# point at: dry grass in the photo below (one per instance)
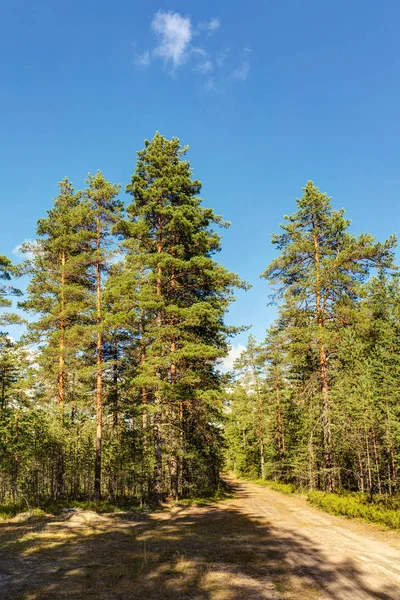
(210, 553)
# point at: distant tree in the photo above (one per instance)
(251, 369)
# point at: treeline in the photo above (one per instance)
(317, 403)
(115, 391)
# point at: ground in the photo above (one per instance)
(258, 545)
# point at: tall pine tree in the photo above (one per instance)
(183, 297)
(318, 274)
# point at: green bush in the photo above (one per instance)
(285, 488)
(383, 510)
(359, 506)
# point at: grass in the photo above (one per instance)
(359, 506)
(209, 552)
(224, 492)
(8, 511)
(212, 552)
(284, 488)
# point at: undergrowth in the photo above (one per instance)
(223, 493)
(285, 488)
(382, 510)
(8, 511)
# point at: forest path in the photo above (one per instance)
(259, 544)
(348, 560)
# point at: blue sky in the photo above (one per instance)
(268, 94)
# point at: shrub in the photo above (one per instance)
(359, 506)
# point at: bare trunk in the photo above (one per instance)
(394, 470)
(158, 444)
(181, 438)
(61, 358)
(115, 380)
(311, 463)
(280, 439)
(174, 456)
(377, 466)
(260, 428)
(325, 411)
(157, 422)
(361, 475)
(61, 381)
(369, 471)
(326, 422)
(99, 379)
(143, 390)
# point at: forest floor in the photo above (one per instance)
(260, 544)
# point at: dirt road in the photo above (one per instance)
(258, 545)
(346, 559)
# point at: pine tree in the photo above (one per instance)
(183, 296)
(274, 353)
(7, 272)
(318, 274)
(57, 290)
(57, 296)
(251, 369)
(241, 431)
(104, 211)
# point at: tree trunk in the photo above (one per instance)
(181, 438)
(325, 411)
(61, 358)
(157, 422)
(260, 421)
(143, 390)
(61, 382)
(174, 457)
(326, 422)
(158, 448)
(377, 466)
(361, 476)
(369, 471)
(280, 439)
(115, 380)
(99, 380)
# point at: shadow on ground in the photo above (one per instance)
(207, 553)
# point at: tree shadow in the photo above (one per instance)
(199, 553)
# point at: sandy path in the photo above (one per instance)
(260, 545)
(349, 560)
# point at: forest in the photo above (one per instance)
(115, 389)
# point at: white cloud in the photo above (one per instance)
(210, 86)
(142, 60)
(221, 57)
(205, 67)
(242, 71)
(200, 51)
(233, 354)
(179, 41)
(210, 26)
(25, 249)
(174, 34)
